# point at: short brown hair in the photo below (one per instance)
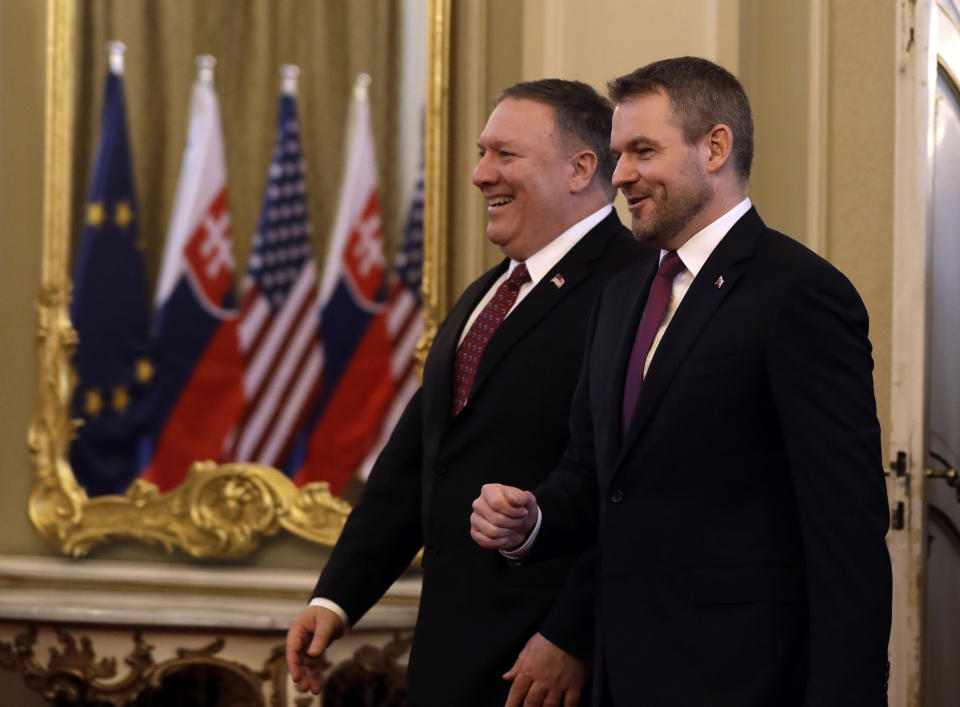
(579, 112)
(702, 94)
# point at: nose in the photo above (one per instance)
(623, 173)
(484, 173)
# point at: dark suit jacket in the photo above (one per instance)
(476, 611)
(740, 520)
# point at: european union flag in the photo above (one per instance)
(110, 314)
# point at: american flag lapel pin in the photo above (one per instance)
(719, 282)
(557, 280)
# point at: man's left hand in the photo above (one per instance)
(546, 675)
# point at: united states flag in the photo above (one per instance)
(280, 313)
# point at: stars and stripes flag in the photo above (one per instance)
(110, 312)
(357, 384)
(280, 313)
(199, 393)
(404, 320)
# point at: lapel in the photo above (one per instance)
(729, 259)
(572, 269)
(438, 371)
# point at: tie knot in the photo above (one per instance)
(670, 266)
(519, 276)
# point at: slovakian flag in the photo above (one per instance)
(404, 320)
(280, 313)
(110, 311)
(198, 395)
(357, 385)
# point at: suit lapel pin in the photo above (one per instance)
(719, 282)
(558, 280)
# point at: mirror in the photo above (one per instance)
(217, 510)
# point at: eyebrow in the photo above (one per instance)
(498, 145)
(641, 140)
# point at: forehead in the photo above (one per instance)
(518, 121)
(648, 116)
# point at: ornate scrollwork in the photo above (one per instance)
(74, 676)
(219, 511)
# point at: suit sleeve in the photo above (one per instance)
(568, 498)
(820, 367)
(383, 532)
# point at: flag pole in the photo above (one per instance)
(290, 74)
(206, 63)
(115, 52)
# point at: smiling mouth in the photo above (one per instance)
(635, 201)
(499, 201)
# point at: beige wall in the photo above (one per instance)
(768, 42)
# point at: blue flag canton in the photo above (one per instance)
(409, 258)
(281, 246)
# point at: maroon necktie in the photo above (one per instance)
(653, 312)
(468, 356)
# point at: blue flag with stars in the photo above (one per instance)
(109, 310)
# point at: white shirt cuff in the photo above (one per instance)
(522, 551)
(334, 607)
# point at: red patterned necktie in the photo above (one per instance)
(653, 312)
(468, 356)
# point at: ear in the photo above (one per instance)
(719, 147)
(584, 164)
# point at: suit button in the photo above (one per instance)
(442, 471)
(616, 495)
(433, 548)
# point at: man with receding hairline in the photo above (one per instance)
(724, 447)
(493, 406)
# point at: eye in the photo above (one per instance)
(644, 152)
(506, 153)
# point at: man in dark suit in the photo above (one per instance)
(724, 449)
(493, 406)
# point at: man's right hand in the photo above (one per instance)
(311, 632)
(503, 517)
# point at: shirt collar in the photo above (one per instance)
(694, 252)
(541, 262)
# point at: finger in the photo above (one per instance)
(501, 499)
(493, 543)
(553, 698)
(494, 529)
(295, 640)
(572, 697)
(515, 670)
(535, 695)
(518, 691)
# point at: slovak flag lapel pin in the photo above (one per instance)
(558, 280)
(719, 283)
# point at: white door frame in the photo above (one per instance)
(916, 82)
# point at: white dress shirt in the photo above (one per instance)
(538, 265)
(693, 254)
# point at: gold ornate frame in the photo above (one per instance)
(218, 511)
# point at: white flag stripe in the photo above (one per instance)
(399, 310)
(405, 391)
(203, 175)
(290, 410)
(252, 322)
(270, 399)
(404, 348)
(262, 358)
(360, 180)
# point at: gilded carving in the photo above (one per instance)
(74, 676)
(219, 511)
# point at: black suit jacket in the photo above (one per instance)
(740, 520)
(476, 610)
